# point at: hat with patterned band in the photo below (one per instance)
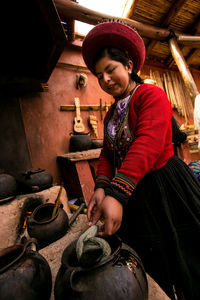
(117, 35)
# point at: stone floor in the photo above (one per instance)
(10, 213)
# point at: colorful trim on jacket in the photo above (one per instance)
(120, 188)
(124, 183)
(102, 181)
(120, 144)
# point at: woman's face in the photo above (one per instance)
(114, 77)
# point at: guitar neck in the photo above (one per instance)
(78, 112)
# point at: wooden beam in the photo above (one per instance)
(131, 11)
(85, 107)
(71, 31)
(71, 66)
(67, 8)
(183, 68)
(172, 12)
(187, 40)
(193, 55)
(190, 38)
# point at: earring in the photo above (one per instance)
(129, 72)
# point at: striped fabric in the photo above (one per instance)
(102, 179)
(195, 167)
(123, 183)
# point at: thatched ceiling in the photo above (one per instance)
(179, 16)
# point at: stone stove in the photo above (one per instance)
(12, 216)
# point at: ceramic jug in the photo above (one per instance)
(119, 276)
(24, 273)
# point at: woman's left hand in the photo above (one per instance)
(111, 210)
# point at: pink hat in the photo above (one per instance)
(117, 35)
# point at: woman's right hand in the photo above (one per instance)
(95, 203)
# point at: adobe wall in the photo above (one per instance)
(46, 128)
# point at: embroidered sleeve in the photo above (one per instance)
(102, 181)
(121, 188)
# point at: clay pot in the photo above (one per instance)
(46, 229)
(24, 274)
(8, 187)
(80, 142)
(43, 227)
(34, 181)
(120, 276)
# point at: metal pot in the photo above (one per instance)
(34, 181)
(8, 187)
(80, 142)
(46, 229)
(43, 227)
(24, 274)
(120, 276)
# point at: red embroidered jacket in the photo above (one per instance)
(147, 130)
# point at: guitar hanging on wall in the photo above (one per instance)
(78, 122)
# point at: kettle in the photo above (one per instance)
(120, 276)
(24, 273)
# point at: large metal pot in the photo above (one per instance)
(24, 274)
(120, 276)
(8, 187)
(80, 142)
(34, 181)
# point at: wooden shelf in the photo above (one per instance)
(77, 172)
(82, 155)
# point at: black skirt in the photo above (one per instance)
(162, 223)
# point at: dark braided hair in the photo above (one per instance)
(178, 136)
(118, 55)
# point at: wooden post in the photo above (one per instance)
(183, 68)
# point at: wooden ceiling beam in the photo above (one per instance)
(67, 8)
(172, 12)
(183, 68)
(70, 29)
(192, 55)
(194, 52)
(188, 41)
(131, 11)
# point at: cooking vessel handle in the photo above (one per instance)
(68, 278)
(31, 172)
(31, 241)
(76, 213)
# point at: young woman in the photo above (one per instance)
(143, 192)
